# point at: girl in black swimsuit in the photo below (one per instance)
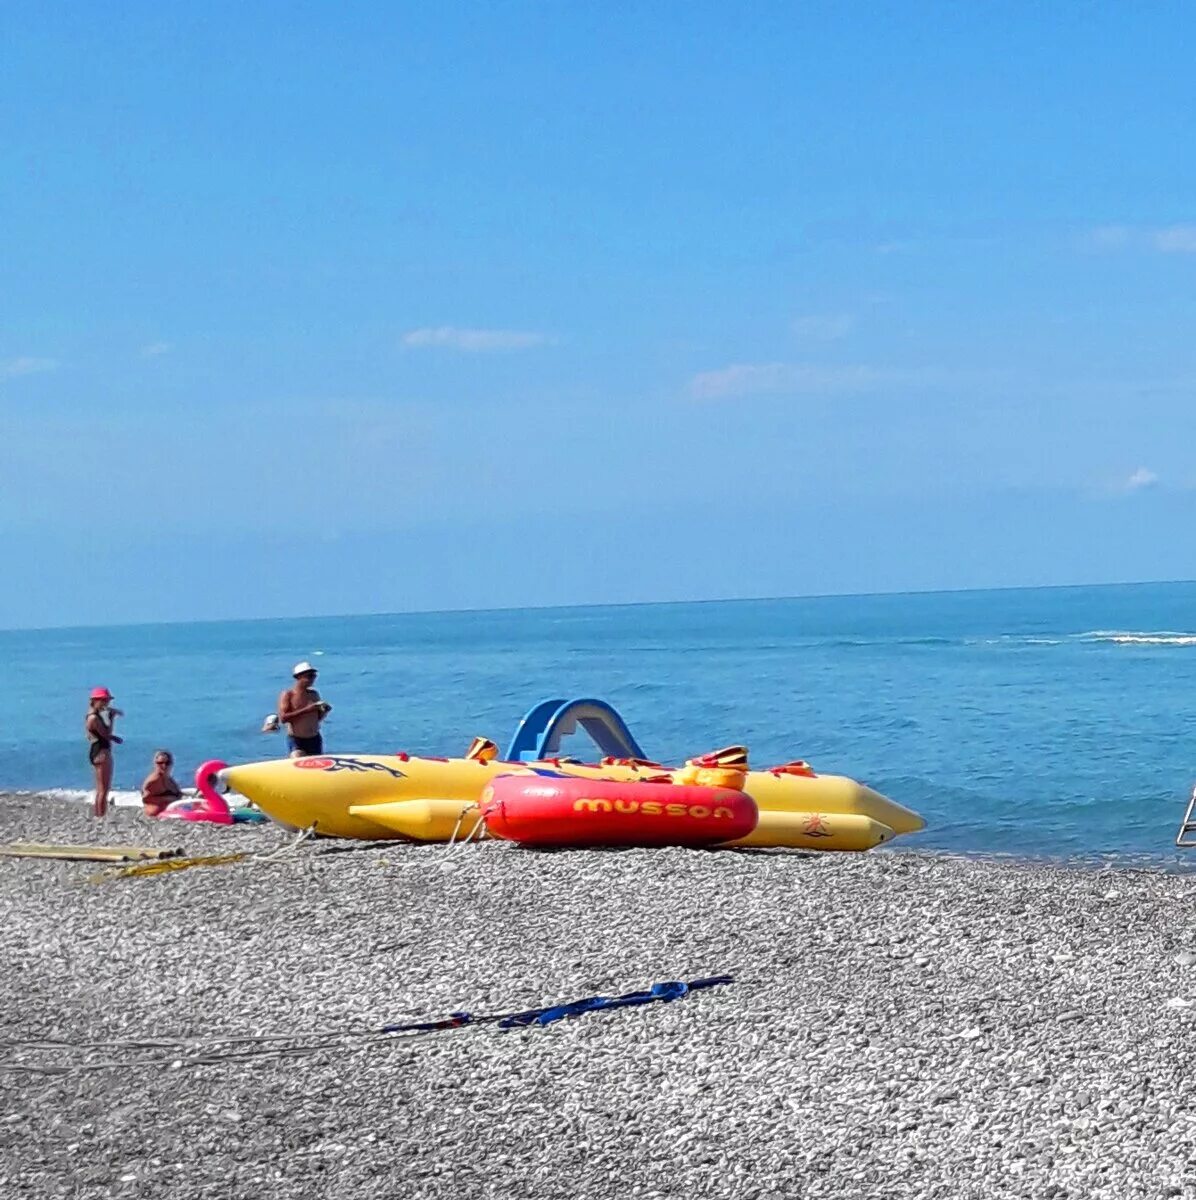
(98, 724)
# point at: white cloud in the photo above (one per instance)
(756, 379)
(827, 328)
(473, 341)
(1166, 239)
(1110, 237)
(1177, 239)
(12, 367)
(154, 349)
(1143, 477)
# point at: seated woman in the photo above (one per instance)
(159, 788)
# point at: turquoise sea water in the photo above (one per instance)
(1043, 721)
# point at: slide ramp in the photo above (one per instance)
(542, 730)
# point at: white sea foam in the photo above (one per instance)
(1119, 637)
(124, 799)
(1131, 637)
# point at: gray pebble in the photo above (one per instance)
(902, 1025)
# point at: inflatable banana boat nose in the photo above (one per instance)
(334, 792)
(780, 791)
(815, 831)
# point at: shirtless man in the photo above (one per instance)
(301, 710)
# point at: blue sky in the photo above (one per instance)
(319, 308)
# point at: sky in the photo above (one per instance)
(318, 308)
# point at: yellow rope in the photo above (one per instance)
(170, 864)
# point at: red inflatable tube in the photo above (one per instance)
(561, 811)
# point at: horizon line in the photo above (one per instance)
(433, 612)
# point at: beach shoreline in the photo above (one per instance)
(902, 1023)
(1167, 860)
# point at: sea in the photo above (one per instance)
(1047, 722)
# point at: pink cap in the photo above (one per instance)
(101, 694)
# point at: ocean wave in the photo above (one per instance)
(1018, 640)
(1132, 637)
(1116, 637)
(836, 643)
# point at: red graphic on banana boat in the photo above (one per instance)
(312, 764)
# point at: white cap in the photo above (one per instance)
(302, 668)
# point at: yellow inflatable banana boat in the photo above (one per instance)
(372, 796)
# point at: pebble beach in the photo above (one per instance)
(900, 1024)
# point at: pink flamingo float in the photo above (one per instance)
(211, 805)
